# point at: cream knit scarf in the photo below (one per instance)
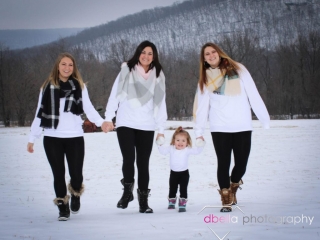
(219, 84)
(138, 91)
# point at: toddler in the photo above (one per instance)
(179, 150)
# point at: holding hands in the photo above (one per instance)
(200, 142)
(160, 139)
(107, 127)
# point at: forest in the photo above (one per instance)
(278, 41)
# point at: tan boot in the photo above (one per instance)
(226, 199)
(234, 187)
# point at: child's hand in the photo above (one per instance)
(200, 142)
(160, 141)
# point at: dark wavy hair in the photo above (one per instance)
(155, 62)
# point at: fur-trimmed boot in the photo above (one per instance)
(234, 187)
(143, 201)
(226, 199)
(63, 206)
(172, 203)
(127, 195)
(75, 198)
(182, 204)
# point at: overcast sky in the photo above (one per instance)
(42, 14)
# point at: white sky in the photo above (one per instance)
(43, 14)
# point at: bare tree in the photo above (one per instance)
(5, 86)
(121, 51)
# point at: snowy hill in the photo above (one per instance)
(191, 23)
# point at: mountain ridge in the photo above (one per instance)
(191, 23)
(26, 38)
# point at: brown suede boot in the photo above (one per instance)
(234, 187)
(226, 199)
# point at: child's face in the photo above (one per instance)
(180, 141)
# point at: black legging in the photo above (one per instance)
(73, 149)
(132, 142)
(181, 179)
(224, 144)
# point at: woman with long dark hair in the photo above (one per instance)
(138, 97)
(225, 95)
(63, 98)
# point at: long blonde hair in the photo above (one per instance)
(227, 65)
(54, 74)
(181, 131)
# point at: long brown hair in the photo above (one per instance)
(53, 77)
(181, 131)
(227, 65)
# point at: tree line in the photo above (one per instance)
(286, 76)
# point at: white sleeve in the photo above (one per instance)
(164, 150)
(256, 102)
(195, 150)
(162, 116)
(202, 111)
(113, 102)
(36, 130)
(89, 110)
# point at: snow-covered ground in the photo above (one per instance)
(279, 198)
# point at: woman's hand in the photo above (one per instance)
(107, 126)
(30, 147)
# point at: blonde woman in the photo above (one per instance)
(226, 94)
(63, 98)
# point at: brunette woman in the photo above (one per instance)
(226, 94)
(138, 97)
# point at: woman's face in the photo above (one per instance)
(146, 57)
(180, 141)
(65, 68)
(211, 56)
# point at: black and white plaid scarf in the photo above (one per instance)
(50, 103)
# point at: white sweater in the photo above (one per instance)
(141, 118)
(231, 113)
(70, 125)
(179, 158)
